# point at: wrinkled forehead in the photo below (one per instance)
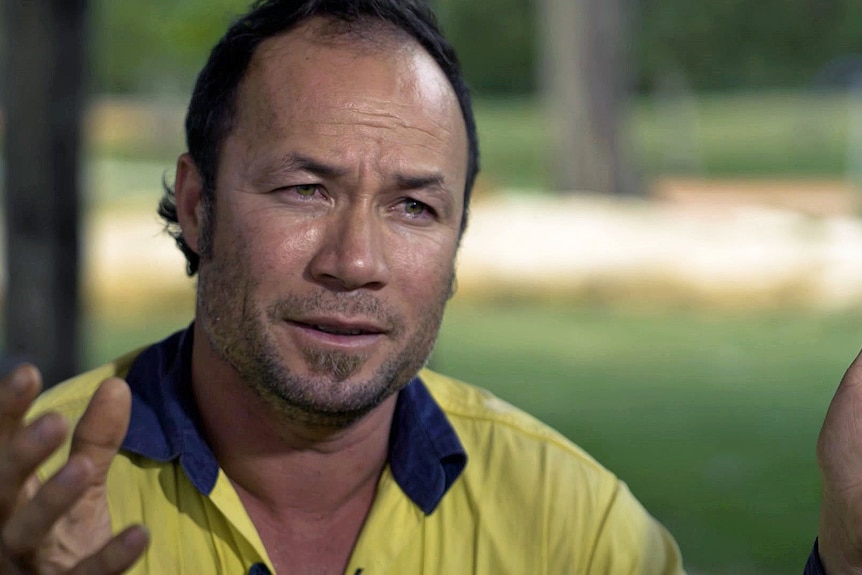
(326, 68)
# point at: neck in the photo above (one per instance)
(287, 466)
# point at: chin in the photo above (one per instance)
(325, 402)
(334, 393)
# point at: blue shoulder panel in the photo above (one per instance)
(425, 454)
(165, 424)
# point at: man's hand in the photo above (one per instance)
(62, 526)
(839, 453)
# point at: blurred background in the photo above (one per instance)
(664, 259)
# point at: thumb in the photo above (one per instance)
(102, 428)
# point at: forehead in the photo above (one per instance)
(342, 82)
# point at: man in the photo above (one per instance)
(291, 428)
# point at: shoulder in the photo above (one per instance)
(477, 414)
(552, 494)
(518, 454)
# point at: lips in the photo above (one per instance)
(340, 327)
(339, 331)
(326, 333)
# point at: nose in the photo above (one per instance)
(352, 253)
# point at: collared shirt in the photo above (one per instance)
(529, 501)
(814, 566)
(425, 454)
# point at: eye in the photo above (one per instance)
(305, 190)
(415, 208)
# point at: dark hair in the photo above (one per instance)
(212, 108)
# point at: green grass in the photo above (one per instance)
(737, 134)
(744, 134)
(710, 418)
(108, 335)
(513, 143)
(132, 184)
(718, 135)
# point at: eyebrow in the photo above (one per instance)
(419, 182)
(294, 161)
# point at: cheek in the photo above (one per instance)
(424, 268)
(273, 250)
(281, 257)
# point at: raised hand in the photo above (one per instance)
(62, 526)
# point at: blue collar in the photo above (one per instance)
(425, 454)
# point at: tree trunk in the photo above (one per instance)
(584, 80)
(44, 89)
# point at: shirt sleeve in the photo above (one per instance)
(633, 542)
(814, 566)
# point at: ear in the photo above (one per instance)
(188, 188)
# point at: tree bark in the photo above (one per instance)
(584, 81)
(44, 96)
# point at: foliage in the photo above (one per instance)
(155, 46)
(496, 42)
(159, 45)
(732, 43)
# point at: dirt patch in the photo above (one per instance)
(820, 198)
(700, 243)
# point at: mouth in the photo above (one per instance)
(339, 332)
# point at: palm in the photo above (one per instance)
(77, 535)
(61, 526)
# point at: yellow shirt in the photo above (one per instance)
(473, 485)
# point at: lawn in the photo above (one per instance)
(763, 135)
(710, 418)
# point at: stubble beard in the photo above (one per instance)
(240, 333)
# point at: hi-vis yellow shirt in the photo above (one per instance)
(472, 486)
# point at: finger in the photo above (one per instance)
(117, 555)
(28, 448)
(27, 528)
(17, 392)
(853, 375)
(847, 395)
(102, 428)
(839, 445)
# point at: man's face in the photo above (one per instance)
(338, 206)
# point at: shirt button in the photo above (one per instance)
(258, 569)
